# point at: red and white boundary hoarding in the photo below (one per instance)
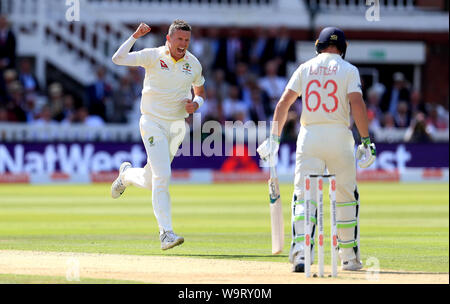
(206, 176)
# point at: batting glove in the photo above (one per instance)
(268, 150)
(366, 153)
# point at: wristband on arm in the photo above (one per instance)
(366, 141)
(199, 100)
(275, 138)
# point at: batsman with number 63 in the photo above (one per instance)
(330, 88)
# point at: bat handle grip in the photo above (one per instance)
(273, 172)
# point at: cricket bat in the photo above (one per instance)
(276, 213)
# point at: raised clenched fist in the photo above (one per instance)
(141, 31)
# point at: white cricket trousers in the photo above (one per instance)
(320, 148)
(162, 139)
(327, 146)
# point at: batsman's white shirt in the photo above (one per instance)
(324, 83)
(167, 82)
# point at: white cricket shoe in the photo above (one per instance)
(117, 187)
(169, 240)
(351, 265)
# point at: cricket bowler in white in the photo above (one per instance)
(171, 71)
(331, 89)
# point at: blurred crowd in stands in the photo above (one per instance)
(245, 78)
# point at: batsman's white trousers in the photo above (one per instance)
(331, 147)
(328, 146)
(162, 139)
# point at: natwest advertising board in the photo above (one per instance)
(98, 162)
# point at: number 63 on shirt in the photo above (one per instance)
(329, 105)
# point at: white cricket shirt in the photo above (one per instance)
(167, 82)
(324, 83)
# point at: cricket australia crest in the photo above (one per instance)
(187, 69)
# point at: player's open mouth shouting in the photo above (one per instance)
(181, 51)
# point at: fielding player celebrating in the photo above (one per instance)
(330, 87)
(170, 73)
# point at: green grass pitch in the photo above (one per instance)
(404, 226)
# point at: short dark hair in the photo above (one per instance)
(179, 25)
